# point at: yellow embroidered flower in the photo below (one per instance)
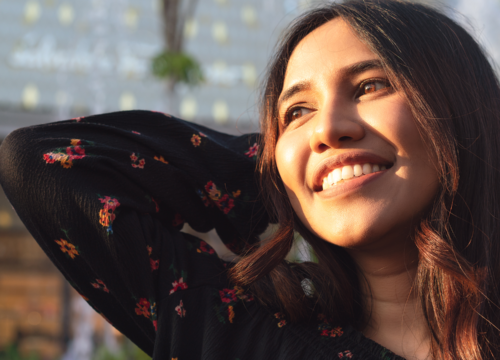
(160, 158)
(66, 247)
(231, 313)
(104, 217)
(75, 142)
(196, 140)
(66, 162)
(236, 193)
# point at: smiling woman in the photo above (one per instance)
(379, 144)
(380, 125)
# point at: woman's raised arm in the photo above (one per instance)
(105, 196)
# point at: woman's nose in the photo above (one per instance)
(334, 129)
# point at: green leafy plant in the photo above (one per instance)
(12, 353)
(178, 67)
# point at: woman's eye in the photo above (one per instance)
(372, 86)
(296, 113)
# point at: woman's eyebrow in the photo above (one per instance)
(360, 67)
(288, 93)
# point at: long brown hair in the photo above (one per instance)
(454, 96)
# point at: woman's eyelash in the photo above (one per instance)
(370, 86)
(289, 113)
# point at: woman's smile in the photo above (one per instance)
(351, 158)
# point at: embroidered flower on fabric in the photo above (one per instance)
(136, 162)
(68, 248)
(196, 140)
(148, 310)
(178, 220)
(66, 156)
(142, 307)
(180, 310)
(229, 300)
(178, 285)
(160, 158)
(155, 264)
(281, 317)
(227, 295)
(99, 284)
(346, 354)
(136, 132)
(225, 204)
(230, 313)
(252, 150)
(240, 294)
(162, 113)
(205, 248)
(223, 201)
(107, 214)
(328, 330)
(212, 191)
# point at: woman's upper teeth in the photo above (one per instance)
(348, 172)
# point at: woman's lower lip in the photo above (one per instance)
(350, 185)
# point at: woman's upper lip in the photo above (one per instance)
(346, 158)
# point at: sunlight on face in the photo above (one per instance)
(352, 160)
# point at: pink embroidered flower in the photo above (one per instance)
(155, 324)
(225, 204)
(227, 295)
(99, 284)
(205, 248)
(136, 132)
(143, 307)
(141, 163)
(252, 151)
(155, 264)
(178, 285)
(346, 354)
(109, 203)
(133, 157)
(202, 134)
(178, 220)
(212, 191)
(180, 310)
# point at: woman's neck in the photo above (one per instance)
(396, 318)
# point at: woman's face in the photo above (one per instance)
(340, 120)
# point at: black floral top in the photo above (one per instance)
(106, 196)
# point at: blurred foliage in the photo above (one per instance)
(12, 353)
(177, 67)
(127, 351)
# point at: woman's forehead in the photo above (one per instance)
(326, 51)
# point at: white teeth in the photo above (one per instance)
(337, 176)
(348, 172)
(358, 170)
